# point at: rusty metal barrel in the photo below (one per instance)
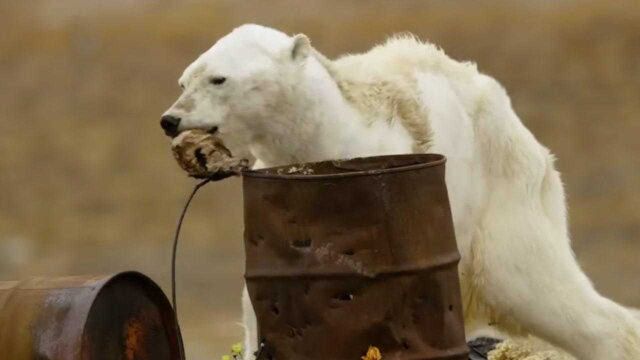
(341, 255)
(124, 316)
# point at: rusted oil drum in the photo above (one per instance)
(124, 316)
(342, 255)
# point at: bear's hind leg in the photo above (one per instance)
(528, 274)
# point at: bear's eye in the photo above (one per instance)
(217, 80)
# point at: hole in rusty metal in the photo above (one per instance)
(344, 297)
(275, 310)
(349, 252)
(450, 307)
(255, 241)
(405, 344)
(301, 243)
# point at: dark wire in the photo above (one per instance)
(175, 244)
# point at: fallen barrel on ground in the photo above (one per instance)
(124, 316)
(342, 255)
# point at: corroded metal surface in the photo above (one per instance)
(342, 255)
(124, 316)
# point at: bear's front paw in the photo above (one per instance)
(203, 155)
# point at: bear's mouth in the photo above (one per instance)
(212, 130)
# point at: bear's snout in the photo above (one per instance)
(169, 124)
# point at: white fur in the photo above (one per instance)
(283, 102)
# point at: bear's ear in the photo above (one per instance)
(301, 47)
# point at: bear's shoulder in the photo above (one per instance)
(401, 56)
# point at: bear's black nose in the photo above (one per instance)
(169, 124)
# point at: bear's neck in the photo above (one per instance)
(317, 124)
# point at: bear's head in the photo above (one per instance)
(238, 84)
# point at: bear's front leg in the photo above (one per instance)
(250, 324)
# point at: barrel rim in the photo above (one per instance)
(427, 160)
(146, 281)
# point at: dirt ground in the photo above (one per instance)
(89, 185)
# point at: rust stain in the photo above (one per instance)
(134, 338)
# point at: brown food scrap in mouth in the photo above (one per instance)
(203, 155)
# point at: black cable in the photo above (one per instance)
(175, 244)
(212, 177)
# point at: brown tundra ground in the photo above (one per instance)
(89, 185)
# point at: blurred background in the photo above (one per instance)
(88, 184)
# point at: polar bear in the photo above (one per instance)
(274, 98)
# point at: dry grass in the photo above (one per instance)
(89, 184)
